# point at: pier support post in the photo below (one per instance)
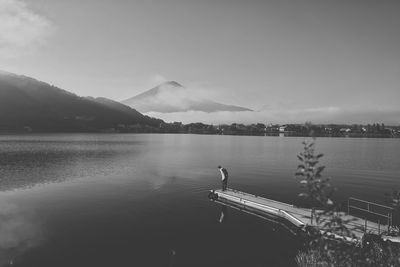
(379, 227)
(365, 226)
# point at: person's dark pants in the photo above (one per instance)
(224, 184)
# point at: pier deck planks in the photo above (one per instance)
(302, 216)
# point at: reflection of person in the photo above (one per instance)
(224, 212)
(173, 255)
(224, 176)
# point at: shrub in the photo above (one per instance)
(326, 249)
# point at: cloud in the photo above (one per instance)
(172, 98)
(287, 115)
(22, 30)
(157, 79)
(180, 97)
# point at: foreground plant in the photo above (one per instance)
(318, 189)
(334, 245)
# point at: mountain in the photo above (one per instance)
(173, 97)
(26, 103)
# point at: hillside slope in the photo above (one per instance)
(32, 104)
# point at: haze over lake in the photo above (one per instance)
(141, 199)
(115, 115)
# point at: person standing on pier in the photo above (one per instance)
(224, 176)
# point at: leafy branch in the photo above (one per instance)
(317, 189)
(332, 248)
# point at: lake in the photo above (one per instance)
(141, 199)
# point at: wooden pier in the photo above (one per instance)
(297, 217)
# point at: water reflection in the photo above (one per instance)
(141, 200)
(173, 256)
(19, 232)
(224, 213)
(25, 164)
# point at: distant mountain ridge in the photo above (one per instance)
(171, 97)
(28, 103)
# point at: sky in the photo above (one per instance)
(290, 61)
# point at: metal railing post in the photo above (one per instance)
(387, 213)
(379, 227)
(365, 226)
(391, 218)
(388, 222)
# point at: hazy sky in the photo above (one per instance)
(298, 57)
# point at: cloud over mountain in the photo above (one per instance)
(171, 97)
(322, 115)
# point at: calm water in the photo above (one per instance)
(141, 200)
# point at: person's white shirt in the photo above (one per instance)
(222, 174)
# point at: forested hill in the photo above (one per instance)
(27, 104)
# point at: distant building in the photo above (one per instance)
(283, 128)
(345, 130)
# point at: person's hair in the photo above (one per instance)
(219, 167)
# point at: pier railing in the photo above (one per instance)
(367, 208)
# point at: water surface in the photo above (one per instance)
(141, 199)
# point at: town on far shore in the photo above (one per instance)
(375, 130)
(261, 129)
